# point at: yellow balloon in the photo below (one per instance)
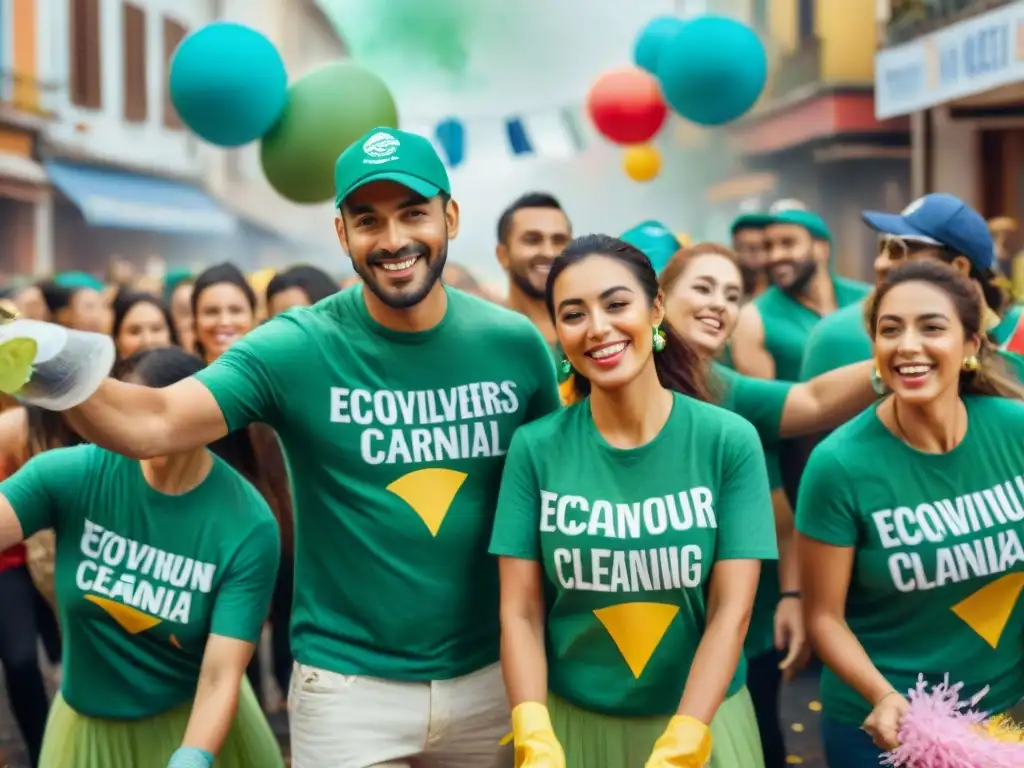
(684, 239)
(642, 162)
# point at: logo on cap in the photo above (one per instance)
(380, 148)
(914, 207)
(786, 204)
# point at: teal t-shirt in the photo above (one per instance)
(939, 564)
(839, 339)
(143, 578)
(628, 540)
(1008, 338)
(759, 401)
(396, 442)
(788, 323)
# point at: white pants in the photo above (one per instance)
(351, 721)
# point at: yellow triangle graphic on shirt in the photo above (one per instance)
(430, 493)
(988, 610)
(131, 620)
(637, 629)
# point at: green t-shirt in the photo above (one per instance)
(939, 561)
(396, 442)
(628, 540)
(839, 339)
(144, 578)
(759, 401)
(788, 323)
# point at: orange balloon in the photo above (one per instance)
(642, 162)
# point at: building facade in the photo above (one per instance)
(307, 40)
(956, 69)
(814, 135)
(25, 196)
(95, 164)
(125, 174)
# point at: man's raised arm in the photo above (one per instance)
(144, 422)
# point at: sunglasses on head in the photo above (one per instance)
(898, 248)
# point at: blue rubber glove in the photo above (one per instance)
(191, 757)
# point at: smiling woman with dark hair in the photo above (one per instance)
(910, 519)
(298, 286)
(622, 631)
(141, 321)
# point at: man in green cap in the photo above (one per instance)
(395, 401)
(748, 240)
(772, 330)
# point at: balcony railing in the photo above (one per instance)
(798, 69)
(910, 19)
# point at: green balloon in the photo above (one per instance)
(327, 110)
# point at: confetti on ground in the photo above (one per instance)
(794, 760)
(814, 706)
(797, 727)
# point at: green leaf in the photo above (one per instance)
(16, 358)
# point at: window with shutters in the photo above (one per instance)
(174, 33)
(135, 108)
(85, 77)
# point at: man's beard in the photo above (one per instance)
(521, 279)
(803, 272)
(405, 299)
(751, 277)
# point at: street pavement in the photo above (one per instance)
(800, 713)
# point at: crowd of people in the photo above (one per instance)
(595, 524)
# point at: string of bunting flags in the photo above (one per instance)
(553, 133)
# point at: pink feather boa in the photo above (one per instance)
(941, 731)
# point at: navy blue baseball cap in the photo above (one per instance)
(942, 220)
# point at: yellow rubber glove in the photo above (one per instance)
(535, 741)
(686, 743)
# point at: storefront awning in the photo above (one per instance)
(970, 57)
(124, 200)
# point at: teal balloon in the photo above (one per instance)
(327, 110)
(228, 83)
(712, 70)
(652, 39)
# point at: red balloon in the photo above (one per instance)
(626, 106)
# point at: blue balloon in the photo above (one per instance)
(652, 39)
(712, 70)
(228, 83)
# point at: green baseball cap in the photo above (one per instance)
(750, 221)
(809, 220)
(388, 154)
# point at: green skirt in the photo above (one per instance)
(592, 740)
(76, 741)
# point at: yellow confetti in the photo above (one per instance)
(814, 706)
(794, 760)
(797, 727)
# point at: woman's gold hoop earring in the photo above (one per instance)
(971, 364)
